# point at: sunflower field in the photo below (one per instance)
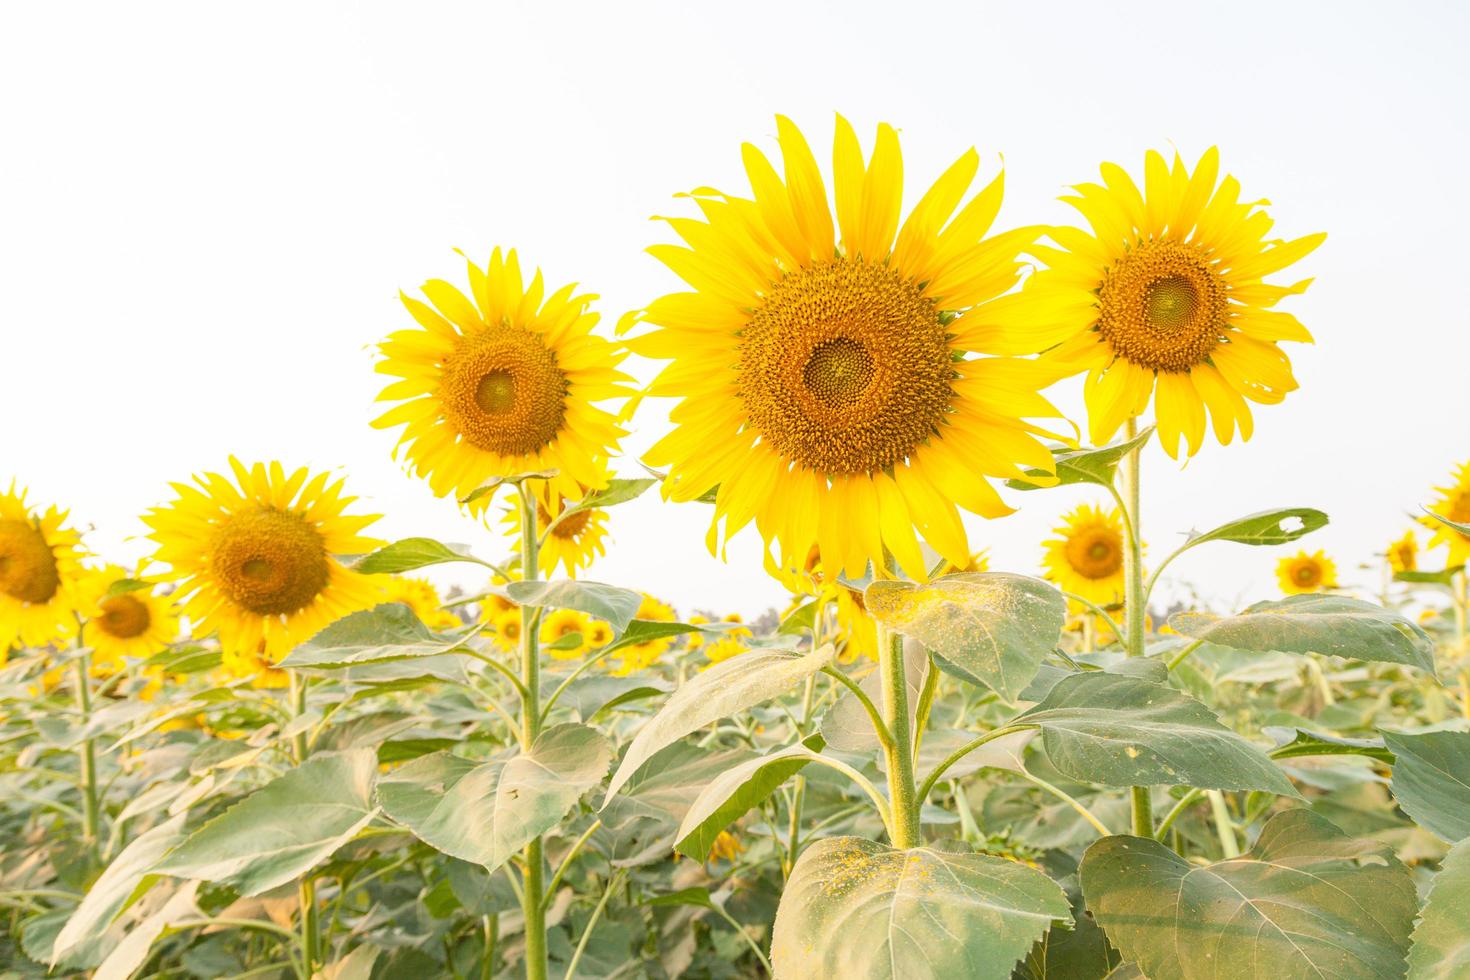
(274, 749)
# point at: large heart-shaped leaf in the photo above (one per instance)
(1441, 949)
(285, 828)
(1117, 730)
(382, 634)
(486, 812)
(1306, 902)
(412, 553)
(735, 791)
(1327, 624)
(1096, 466)
(1431, 780)
(989, 628)
(727, 688)
(607, 602)
(857, 908)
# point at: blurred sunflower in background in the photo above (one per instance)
(135, 622)
(729, 643)
(824, 382)
(558, 624)
(639, 656)
(1454, 504)
(574, 543)
(1086, 557)
(40, 571)
(1403, 554)
(502, 384)
(419, 595)
(1165, 298)
(254, 559)
(507, 627)
(599, 634)
(1302, 573)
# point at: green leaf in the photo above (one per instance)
(696, 896)
(373, 636)
(800, 620)
(989, 628)
(1452, 525)
(606, 602)
(125, 585)
(594, 692)
(1445, 576)
(1306, 902)
(1096, 466)
(285, 828)
(486, 812)
(1267, 527)
(616, 492)
(1292, 743)
(1328, 624)
(122, 883)
(642, 820)
(735, 791)
(727, 688)
(1117, 730)
(127, 956)
(857, 908)
(1441, 949)
(1431, 780)
(411, 553)
(514, 479)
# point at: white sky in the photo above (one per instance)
(206, 212)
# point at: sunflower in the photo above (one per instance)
(40, 571)
(693, 641)
(1403, 554)
(561, 623)
(730, 642)
(254, 559)
(507, 627)
(823, 380)
(640, 656)
(598, 635)
(420, 595)
(137, 623)
(502, 385)
(1302, 573)
(1453, 503)
(1167, 291)
(574, 543)
(1087, 558)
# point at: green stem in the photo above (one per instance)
(1224, 826)
(900, 755)
(490, 925)
(1178, 658)
(1100, 612)
(926, 705)
(566, 861)
(880, 727)
(306, 890)
(87, 757)
(1071, 801)
(759, 954)
(1135, 599)
(612, 884)
(1185, 802)
(533, 903)
(963, 751)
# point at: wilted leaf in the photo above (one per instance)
(1431, 780)
(857, 908)
(1441, 949)
(989, 628)
(1306, 903)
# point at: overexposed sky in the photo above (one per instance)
(207, 210)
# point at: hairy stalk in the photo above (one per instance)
(1135, 599)
(533, 896)
(900, 767)
(306, 890)
(87, 757)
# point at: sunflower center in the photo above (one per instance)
(1095, 552)
(1306, 574)
(269, 562)
(569, 529)
(845, 368)
(27, 565)
(1460, 509)
(503, 392)
(1163, 306)
(124, 617)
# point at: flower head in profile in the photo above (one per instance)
(1453, 503)
(503, 382)
(40, 571)
(1086, 557)
(1303, 573)
(1165, 299)
(831, 359)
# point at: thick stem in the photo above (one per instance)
(1135, 601)
(900, 763)
(306, 890)
(87, 757)
(532, 896)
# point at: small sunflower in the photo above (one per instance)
(507, 627)
(1302, 573)
(254, 558)
(825, 385)
(730, 642)
(40, 571)
(1403, 554)
(420, 595)
(640, 656)
(561, 623)
(1453, 503)
(136, 624)
(726, 847)
(693, 641)
(574, 543)
(598, 635)
(503, 385)
(1087, 558)
(1166, 295)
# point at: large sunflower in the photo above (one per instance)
(1302, 573)
(502, 385)
(254, 558)
(40, 570)
(1453, 503)
(1167, 293)
(824, 384)
(137, 623)
(574, 543)
(1087, 557)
